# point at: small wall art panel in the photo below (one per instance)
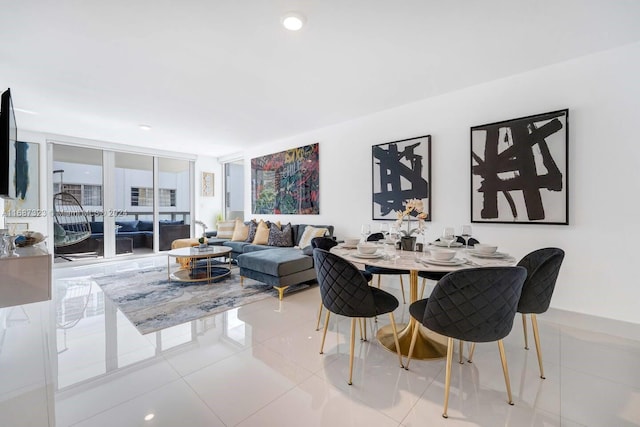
(401, 171)
(24, 179)
(520, 170)
(286, 182)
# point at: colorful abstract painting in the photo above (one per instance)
(286, 182)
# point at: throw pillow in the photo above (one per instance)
(241, 232)
(253, 226)
(225, 229)
(128, 226)
(262, 234)
(309, 233)
(280, 237)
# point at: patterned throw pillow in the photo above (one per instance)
(262, 233)
(240, 232)
(309, 233)
(280, 237)
(253, 226)
(225, 229)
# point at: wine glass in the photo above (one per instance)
(466, 234)
(365, 230)
(448, 236)
(394, 238)
(384, 229)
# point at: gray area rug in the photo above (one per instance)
(152, 303)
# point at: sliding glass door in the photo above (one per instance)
(133, 203)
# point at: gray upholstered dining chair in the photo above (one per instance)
(543, 267)
(382, 271)
(345, 291)
(327, 243)
(475, 305)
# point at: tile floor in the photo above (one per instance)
(76, 361)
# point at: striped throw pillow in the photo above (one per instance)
(225, 229)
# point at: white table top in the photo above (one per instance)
(406, 260)
(194, 252)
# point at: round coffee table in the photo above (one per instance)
(209, 272)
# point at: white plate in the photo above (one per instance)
(368, 256)
(493, 255)
(450, 263)
(345, 246)
(444, 245)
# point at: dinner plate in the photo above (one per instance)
(368, 256)
(493, 255)
(444, 245)
(450, 263)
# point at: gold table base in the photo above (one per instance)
(429, 345)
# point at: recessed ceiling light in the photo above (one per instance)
(149, 417)
(293, 21)
(145, 127)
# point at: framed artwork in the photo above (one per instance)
(401, 170)
(207, 184)
(520, 170)
(287, 182)
(24, 179)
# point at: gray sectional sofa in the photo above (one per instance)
(279, 267)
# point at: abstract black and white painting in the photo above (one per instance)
(401, 171)
(519, 170)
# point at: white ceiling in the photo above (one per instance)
(215, 77)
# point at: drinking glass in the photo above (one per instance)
(384, 229)
(365, 230)
(466, 234)
(448, 236)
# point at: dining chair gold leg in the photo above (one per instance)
(447, 377)
(536, 338)
(242, 281)
(319, 316)
(505, 369)
(352, 348)
(379, 276)
(363, 334)
(424, 285)
(471, 350)
(402, 289)
(414, 337)
(524, 329)
(324, 333)
(460, 350)
(395, 337)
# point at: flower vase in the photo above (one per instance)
(408, 243)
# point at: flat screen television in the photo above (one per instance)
(8, 137)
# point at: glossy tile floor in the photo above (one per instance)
(76, 361)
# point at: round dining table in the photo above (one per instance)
(429, 345)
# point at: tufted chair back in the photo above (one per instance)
(476, 305)
(343, 289)
(325, 243)
(543, 267)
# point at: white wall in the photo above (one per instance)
(208, 207)
(602, 92)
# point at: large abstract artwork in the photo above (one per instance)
(401, 171)
(286, 182)
(24, 179)
(519, 170)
